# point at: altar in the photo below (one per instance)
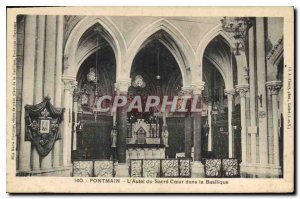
(144, 140)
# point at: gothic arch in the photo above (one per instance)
(226, 71)
(173, 40)
(110, 33)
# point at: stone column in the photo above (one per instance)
(70, 125)
(242, 90)
(38, 89)
(58, 83)
(70, 85)
(197, 166)
(187, 124)
(210, 136)
(261, 91)
(75, 108)
(230, 95)
(121, 88)
(40, 59)
(49, 81)
(253, 128)
(274, 87)
(27, 90)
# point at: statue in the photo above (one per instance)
(78, 127)
(113, 136)
(165, 135)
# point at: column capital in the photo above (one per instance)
(274, 87)
(198, 87)
(186, 91)
(229, 93)
(121, 86)
(242, 89)
(70, 85)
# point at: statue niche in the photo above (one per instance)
(141, 136)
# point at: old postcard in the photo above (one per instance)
(150, 100)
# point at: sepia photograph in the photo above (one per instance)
(151, 100)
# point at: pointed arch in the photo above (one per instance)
(110, 33)
(208, 37)
(227, 73)
(173, 39)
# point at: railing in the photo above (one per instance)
(158, 168)
(93, 168)
(222, 168)
(155, 168)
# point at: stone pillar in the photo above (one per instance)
(28, 85)
(210, 136)
(252, 93)
(38, 89)
(70, 85)
(197, 166)
(75, 108)
(187, 124)
(122, 169)
(230, 95)
(242, 90)
(70, 125)
(40, 59)
(49, 81)
(261, 91)
(65, 123)
(74, 86)
(274, 87)
(58, 83)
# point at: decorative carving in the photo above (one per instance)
(160, 168)
(238, 28)
(198, 88)
(83, 168)
(185, 168)
(136, 168)
(242, 90)
(151, 168)
(93, 168)
(230, 167)
(42, 125)
(222, 168)
(70, 85)
(104, 168)
(274, 87)
(186, 91)
(121, 87)
(230, 93)
(170, 168)
(213, 168)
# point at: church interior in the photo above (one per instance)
(67, 63)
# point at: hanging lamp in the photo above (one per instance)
(97, 30)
